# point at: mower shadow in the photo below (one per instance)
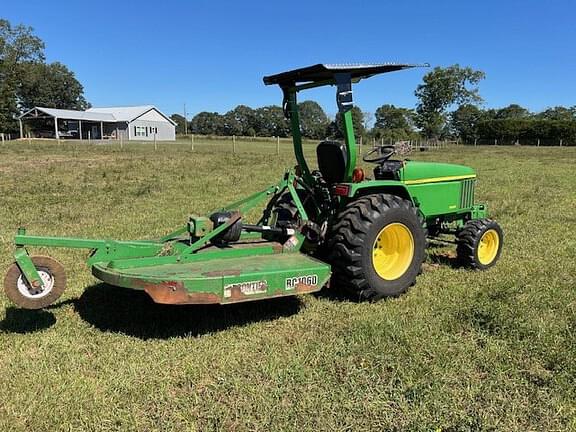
(133, 313)
(23, 321)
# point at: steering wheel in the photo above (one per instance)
(383, 153)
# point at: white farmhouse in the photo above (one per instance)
(141, 123)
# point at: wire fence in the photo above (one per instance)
(271, 145)
(227, 144)
(537, 142)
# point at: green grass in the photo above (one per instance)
(460, 351)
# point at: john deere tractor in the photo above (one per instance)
(366, 234)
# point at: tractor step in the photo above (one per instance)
(227, 280)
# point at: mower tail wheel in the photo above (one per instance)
(24, 295)
(377, 246)
(479, 244)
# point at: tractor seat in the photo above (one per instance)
(332, 161)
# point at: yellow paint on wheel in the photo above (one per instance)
(488, 247)
(393, 251)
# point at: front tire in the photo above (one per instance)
(377, 246)
(24, 295)
(479, 244)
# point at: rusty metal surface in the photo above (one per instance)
(175, 293)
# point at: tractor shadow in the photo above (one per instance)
(132, 312)
(440, 255)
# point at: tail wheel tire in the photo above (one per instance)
(377, 246)
(479, 244)
(22, 293)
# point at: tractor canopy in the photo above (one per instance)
(324, 74)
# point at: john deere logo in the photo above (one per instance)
(310, 280)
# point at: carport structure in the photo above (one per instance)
(89, 124)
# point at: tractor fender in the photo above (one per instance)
(383, 187)
(380, 187)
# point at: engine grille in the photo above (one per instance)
(467, 193)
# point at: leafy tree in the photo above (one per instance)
(464, 121)
(513, 111)
(393, 123)
(336, 128)
(271, 121)
(527, 130)
(313, 120)
(17, 46)
(207, 123)
(180, 122)
(50, 85)
(241, 121)
(558, 113)
(442, 88)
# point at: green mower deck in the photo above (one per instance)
(229, 280)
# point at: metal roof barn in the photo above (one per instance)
(142, 123)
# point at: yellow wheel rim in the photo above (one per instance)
(393, 251)
(488, 247)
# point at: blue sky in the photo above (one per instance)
(212, 55)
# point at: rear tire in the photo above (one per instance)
(479, 244)
(377, 246)
(21, 293)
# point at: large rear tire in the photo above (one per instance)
(377, 246)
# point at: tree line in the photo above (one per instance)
(26, 80)
(449, 107)
(268, 121)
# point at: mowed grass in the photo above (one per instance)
(461, 350)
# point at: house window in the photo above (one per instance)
(140, 131)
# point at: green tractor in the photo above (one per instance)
(368, 236)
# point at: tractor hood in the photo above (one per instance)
(415, 172)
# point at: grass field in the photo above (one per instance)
(460, 351)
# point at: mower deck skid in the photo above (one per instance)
(228, 280)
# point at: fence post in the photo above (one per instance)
(234, 144)
(192, 142)
(121, 141)
(475, 142)
(538, 145)
(495, 141)
(3, 139)
(560, 142)
(155, 144)
(29, 139)
(278, 145)
(89, 140)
